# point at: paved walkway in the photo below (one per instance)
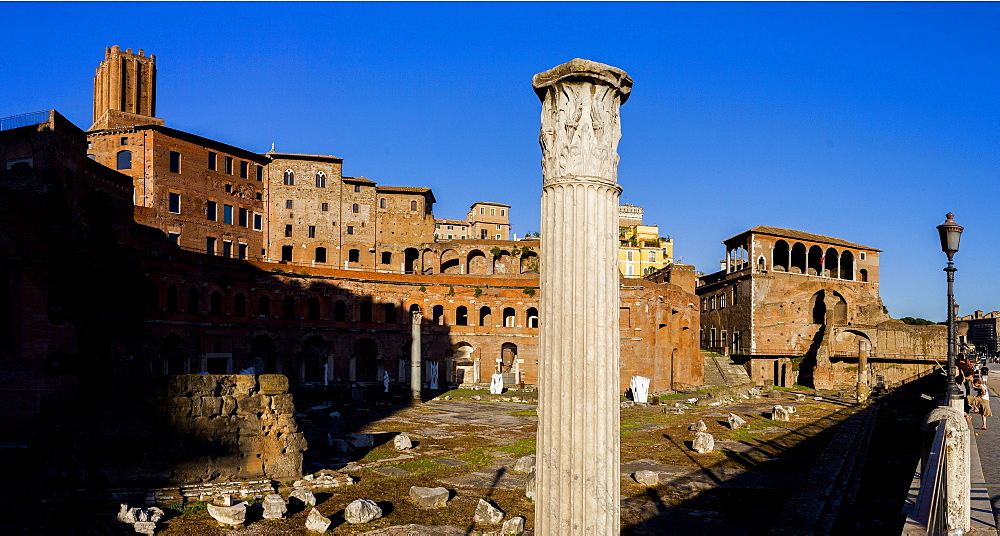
(986, 470)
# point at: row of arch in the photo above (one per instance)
(241, 305)
(475, 262)
(816, 261)
(365, 361)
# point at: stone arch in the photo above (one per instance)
(847, 265)
(761, 263)
(462, 316)
(831, 263)
(437, 315)
(529, 262)
(780, 256)
(173, 355)
(477, 263)
(172, 299)
(485, 316)
(264, 306)
(532, 315)
(193, 299)
(288, 308)
(797, 259)
(339, 311)
(508, 357)
(365, 355)
(863, 275)
(215, 303)
(365, 310)
(463, 362)
(240, 305)
(509, 317)
(410, 258)
(263, 356)
(503, 263)
(312, 359)
(409, 317)
(389, 313)
(815, 261)
(427, 261)
(450, 263)
(312, 309)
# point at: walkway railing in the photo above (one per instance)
(943, 502)
(24, 120)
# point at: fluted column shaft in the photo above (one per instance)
(578, 482)
(416, 317)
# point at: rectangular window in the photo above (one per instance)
(288, 231)
(244, 217)
(735, 294)
(449, 237)
(350, 229)
(211, 210)
(312, 231)
(210, 245)
(324, 207)
(175, 162)
(258, 222)
(493, 212)
(450, 228)
(174, 237)
(499, 237)
(498, 227)
(722, 301)
(357, 187)
(242, 251)
(628, 256)
(124, 140)
(229, 165)
(211, 161)
(227, 214)
(862, 255)
(227, 248)
(482, 210)
(260, 174)
(244, 168)
(652, 256)
(483, 233)
(288, 203)
(175, 203)
(502, 211)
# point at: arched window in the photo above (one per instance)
(240, 305)
(437, 314)
(532, 317)
(320, 254)
(289, 307)
(413, 308)
(389, 311)
(864, 275)
(779, 257)
(321, 180)
(124, 160)
(462, 316)
(339, 311)
(798, 260)
(847, 265)
(313, 306)
(485, 316)
(355, 208)
(366, 311)
(508, 355)
(171, 299)
(192, 305)
(215, 303)
(815, 261)
(289, 177)
(508, 317)
(381, 203)
(264, 306)
(413, 205)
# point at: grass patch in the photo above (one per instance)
(189, 508)
(476, 457)
(418, 466)
(522, 447)
(531, 413)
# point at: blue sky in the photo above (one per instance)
(864, 121)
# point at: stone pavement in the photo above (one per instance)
(985, 449)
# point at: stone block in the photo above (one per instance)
(274, 507)
(703, 443)
(273, 384)
(488, 513)
(145, 527)
(699, 426)
(780, 413)
(317, 522)
(430, 497)
(302, 497)
(647, 478)
(246, 404)
(402, 442)
(514, 525)
(283, 403)
(362, 511)
(244, 384)
(736, 422)
(228, 405)
(529, 485)
(525, 464)
(229, 515)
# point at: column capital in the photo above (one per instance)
(586, 71)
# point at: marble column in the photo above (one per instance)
(578, 480)
(416, 317)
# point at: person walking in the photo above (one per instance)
(980, 402)
(984, 373)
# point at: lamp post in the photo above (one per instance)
(950, 233)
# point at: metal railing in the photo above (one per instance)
(24, 120)
(932, 505)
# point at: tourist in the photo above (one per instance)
(985, 374)
(980, 403)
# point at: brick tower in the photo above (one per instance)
(125, 90)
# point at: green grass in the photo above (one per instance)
(476, 457)
(188, 508)
(418, 466)
(522, 447)
(531, 412)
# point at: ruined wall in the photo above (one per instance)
(150, 431)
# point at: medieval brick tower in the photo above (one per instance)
(125, 90)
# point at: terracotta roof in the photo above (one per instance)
(802, 235)
(452, 222)
(407, 190)
(360, 180)
(488, 203)
(296, 156)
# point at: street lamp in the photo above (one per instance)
(950, 233)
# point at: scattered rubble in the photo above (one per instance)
(430, 497)
(488, 513)
(703, 443)
(525, 464)
(316, 521)
(362, 511)
(736, 422)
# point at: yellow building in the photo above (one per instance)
(642, 250)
